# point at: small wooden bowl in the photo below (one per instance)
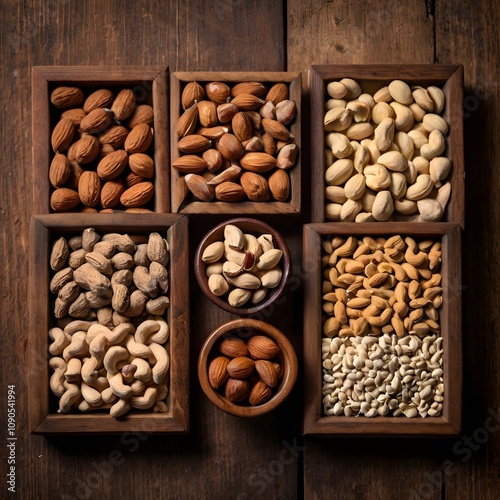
(245, 328)
(247, 226)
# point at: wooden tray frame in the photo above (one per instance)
(151, 78)
(449, 77)
(315, 422)
(179, 189)
(43, 229)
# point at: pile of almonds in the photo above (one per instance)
(234, 141)
(385, 153)
(246, 371)
(243, 266)
(381, 349)
(109, 346)
(102, 159)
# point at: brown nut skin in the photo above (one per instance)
(241, 367)
(233, 347)
(217, 372)
(237, 390)
(261, 347)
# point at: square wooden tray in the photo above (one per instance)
(43, 418)
(150, 87)
(315, 422)
(448, 77)
(180, 193)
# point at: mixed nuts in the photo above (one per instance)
(385, 153)
(102, 159)
(235, 143)
(109, 347)
(381, 299)
(242, 266)
(246, 371)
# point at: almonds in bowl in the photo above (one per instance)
(242, 265)
(247, 367)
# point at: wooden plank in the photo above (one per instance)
(466, 34)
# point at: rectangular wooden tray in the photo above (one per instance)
(448, 77)
(178, 186)
(43, 418)
(315, 422)
(150, 86)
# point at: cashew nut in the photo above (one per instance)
(73, 369)
(57, 378)
(121, 407)
(421, 189)
(113, 356)
(138, 387)
(430, 209)
(394, 160)
(119, 388)
(84, 406)
(91, 395)
(160, 407)
(443, 194)
(404, 116)
(384, 134)
(147, 400)
(439, 169)
(418, 138)
(71, 395)
(143, 370)
(405, 144)
(108, 396)
(340, 144)
(337, 119)
(60, 341)
(89, 369)
(360, 110)
(435, 146)
(162, 358)
(135, 349)
(398, 185)
(377, 177)
(339, 172)
(78, 346)
(78, 326)
(361, 158)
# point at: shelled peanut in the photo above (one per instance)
(385, 153)
(102, 151)
(109, 347)
(235, 142)
(376, 286)
(246, 371)
(243, 267)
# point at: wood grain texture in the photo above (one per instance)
(465, 33)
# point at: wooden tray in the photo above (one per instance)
(448, 77)
(315, 422)
(180, 194)
(149, 84)
(43, 418)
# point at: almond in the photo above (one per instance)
(89, 188)
(217, 371)
(276, 129)
(286, 156)
(269, 144)
(114, 136)
(259, 394)
(59, 171)
(213, 133)
(112, 165)
(188, 120)
(217, 91)
(277, 93)
(258, 162)
(242, 126)
(142, 114)
(192, 92)
(237, 390)
(101, 98)
(75, 172)
(190, 164)
(226, 111)
(230, 147)
(267, 372)
(240, 367)
(139, 139)
(255, 186)
(64, 199)
(96, 121)
(229, 174)
(62, 135)
(199, 187)
(229, 191)
(133, 179)
(85, 149)
(111, 192)
(142, 164)
(137, 195)
(104, 150)
(279, 185)
(256, 119)
(254, 88)
(66, 97)
(233, 347)
(247, 102)
(213, 159)
(207, 111)
(254, 144)
(194, 143)
(76, 115)
(123, 105)
(285, 111)
(261, 347)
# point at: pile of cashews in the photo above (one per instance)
(98, 368)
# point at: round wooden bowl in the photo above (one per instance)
(257, 228)
(245, 328)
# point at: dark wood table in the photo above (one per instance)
(223, 456)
